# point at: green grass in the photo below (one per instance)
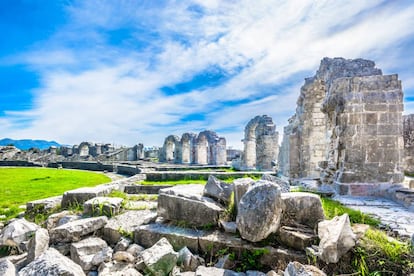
(378, 254)
(333, 208)
(20, 185)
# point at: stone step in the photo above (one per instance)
(205, 242)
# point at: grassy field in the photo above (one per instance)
(20, 185)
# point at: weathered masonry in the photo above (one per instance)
(261, 146)
(348, 128)
(206, 148)
(408, 123)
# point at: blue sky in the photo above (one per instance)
(130, 71)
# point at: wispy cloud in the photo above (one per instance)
(100, 87)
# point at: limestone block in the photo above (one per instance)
(336, 238)
(229, 226)
(38, 244)
(188, 261)
(43, 205)
(297, 238)
(126, 223)
(260, 211)
(148, 235)
(218, 190)
(83, 252)
(79, 196)
(74, 230)
(241, 185)
(122, 244)
(135, 249)
(53, 219)
(7, 268)
(283, 184)
(117, 269)
(103, 206)
(18, 233)
(186, 203)
(302, 208)
(160, 258)
(296, 269)
(52, 263)
(210, 271)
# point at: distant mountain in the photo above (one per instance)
(26, 144)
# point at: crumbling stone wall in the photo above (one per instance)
(261, 146)
(206, 148)
(348, 126)
(408, 135)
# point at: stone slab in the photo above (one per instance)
(79, 196)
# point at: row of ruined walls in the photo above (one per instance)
(347, 130)
(206, 148)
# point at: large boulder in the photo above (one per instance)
(187, 203)
(298, 269)
(7, 268)
(102, 206)
(75, 230)
(283, 184)
(38, 244)
(302, 208)
(336, 238)
(126, 223)
(84, 252)
(18, 233)
(52, 263)
(260, 211)
(218, 190)
(161, 258)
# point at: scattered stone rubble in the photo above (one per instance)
(347, 129)
(184, 235)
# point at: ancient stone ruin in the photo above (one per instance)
(261, 146)
(408, 127)
(347, 129)
(206, 148)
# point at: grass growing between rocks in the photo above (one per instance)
(333, 208)
(379, 254)
(20, 185)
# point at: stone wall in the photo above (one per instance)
(261, 146)
(206, 148)
(408, 134)
(347, 128)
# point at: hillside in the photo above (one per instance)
(26, 144)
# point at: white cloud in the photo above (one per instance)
(113, 93)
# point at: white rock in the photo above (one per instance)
(18, 233)
(84, 251)
(38, 244)
(52, 263)
(74, 230)
(117, 269)
(161, 258)
(260, 211)
(298, 269)
(336, 238)
(218, 190)
(7, 268)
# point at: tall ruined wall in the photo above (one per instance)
(261, 146)
(347, 128)
(408, 134)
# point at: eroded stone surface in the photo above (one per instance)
(186, 203)
(74, 230)
(336, 238)
(101, 205)
(84, 251)
(260, 211)
(79, 196)
(7, 268)
(218, 190)
(302, 208)
(18, 233)
(52, 263)
(160, 258)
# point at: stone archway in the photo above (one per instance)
(260, 144)
(187, 148)
(169, 152)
